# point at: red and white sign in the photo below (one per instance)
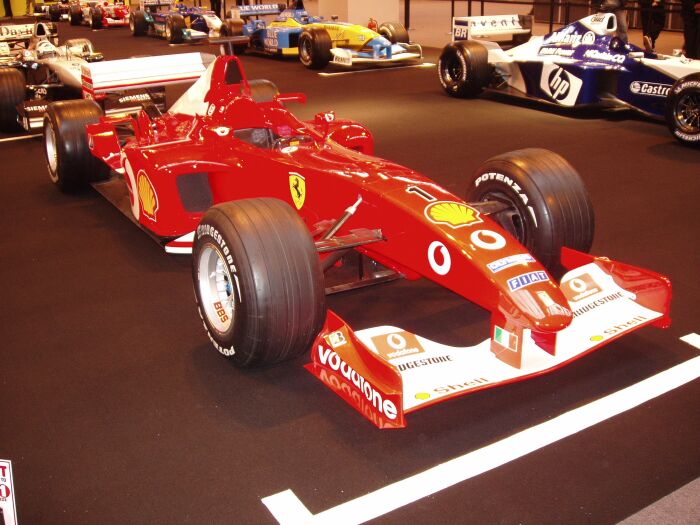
(7, 493)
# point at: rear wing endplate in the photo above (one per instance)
(145, 72)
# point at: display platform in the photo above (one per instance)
(116, 408)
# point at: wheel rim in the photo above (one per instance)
(51, 153)
(131, 23)
(453, 70)
(305, 50)
(216, 288)
(511, 219)
(168, 32)
(688, 112)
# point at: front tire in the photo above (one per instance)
(258, 281)
(234, 27)
(547, 204)
(683, 110)
(138, 23)
(315, 48)
(174, 27)
(76, 14)
(463, 69)
(54, 12)
(71, 165)
(95, 18)
(394, 32)
(12, 93)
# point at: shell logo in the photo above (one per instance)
(147, 196)
(452, 214)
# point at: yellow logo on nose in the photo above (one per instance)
(452, 214)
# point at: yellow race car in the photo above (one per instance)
(292, 31)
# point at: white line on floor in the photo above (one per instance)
(23, 137)
(288, 509)
(692, 339)
(393, 68)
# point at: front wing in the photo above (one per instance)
(386, 372)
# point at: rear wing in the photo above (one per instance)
(247, 11)
(100, 78)
(154, 3)
(495, 27)
(16, 34)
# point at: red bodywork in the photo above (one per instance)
(334, 159)
(114, 15)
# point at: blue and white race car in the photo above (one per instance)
(176, 23)
(317, 42)
(582, 64)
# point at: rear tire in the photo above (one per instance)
(71, 165)
(464, 69)
(394, 32)
(12, 92)
(683, 110)
(54, 12)
(95, 18)
(173, 29)
(138, 23)
(234, 27)
(315, 48)
(548, 203)
(75, 14)
(258, 281)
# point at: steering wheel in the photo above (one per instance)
(293, 141)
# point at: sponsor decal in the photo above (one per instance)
(297, 188)
(220, 311)
(580, 287)
(448, 389)
(526, 279)
(651, 89)
(211, 109)
(424, 362)
(41, 108)
(569, 37)
(620, 328)
(605, 56)
(440, 268)
(342, 59)
(686, 84)
(595, 304)
(10, 32)
(334, 362)
(147, 195)
(484, 24)
(505, 338)
(421, 193)
(558, 51)
(8, 512)
(506, 262)
(336, 339)
(560, 85)
(141, 97)
(597, 19)
(397, 344)
(487, 240)
(452, 214)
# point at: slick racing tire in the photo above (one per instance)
(75, 14)
(12, 93)
(547, 205)
(95, 18)
(137, 23)
(54, 12)
(394, 32)
(71, 165)
(258, 281)
(683, 110)
(315, 48)
(263, 90)
(174, 27)
(464, 69)
(234, 27)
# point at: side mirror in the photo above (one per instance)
(323, 121)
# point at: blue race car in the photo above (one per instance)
(317, 42)
(177, 23)
(582, 64)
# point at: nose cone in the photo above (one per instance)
(543, 307)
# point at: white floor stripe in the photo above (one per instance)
(392, 68)
(692, 339)
(22, 137)
(288, 509)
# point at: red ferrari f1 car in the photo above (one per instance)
(267, 203)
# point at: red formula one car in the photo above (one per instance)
(267, 203)
(99, 15)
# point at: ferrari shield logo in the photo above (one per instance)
(297, 187)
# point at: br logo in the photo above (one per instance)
(559, 84)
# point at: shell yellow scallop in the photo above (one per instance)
(454, 214)
(147, 196)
